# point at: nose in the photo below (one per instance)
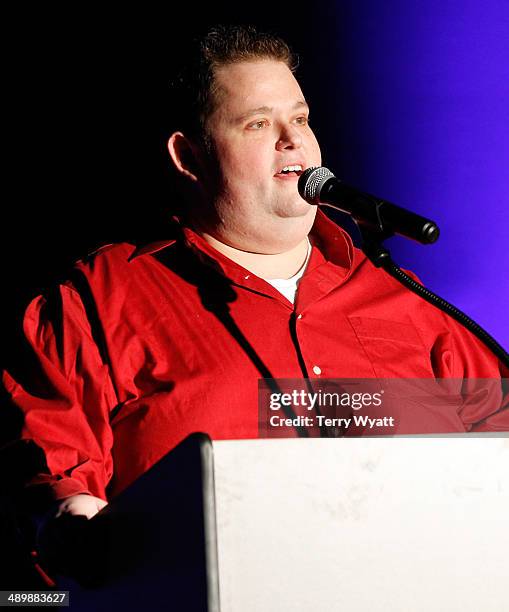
(290, 138)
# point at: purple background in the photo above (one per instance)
(420, 92)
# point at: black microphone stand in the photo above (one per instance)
(378, 254)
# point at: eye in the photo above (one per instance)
(258, 125)
(303, 120)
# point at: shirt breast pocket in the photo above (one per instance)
(394, 348)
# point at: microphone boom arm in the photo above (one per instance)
(380, 257)
(378, 220)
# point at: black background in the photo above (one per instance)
(88, 109)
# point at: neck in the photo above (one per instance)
(268, 266)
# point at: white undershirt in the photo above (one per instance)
(288, 286)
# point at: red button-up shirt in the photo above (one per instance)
(145, 346)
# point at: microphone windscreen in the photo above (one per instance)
(311, 182)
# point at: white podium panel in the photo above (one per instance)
(410, 524)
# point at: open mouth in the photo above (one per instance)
(292, 171)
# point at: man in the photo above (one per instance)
(144, 346)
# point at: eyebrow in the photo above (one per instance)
(268, 109)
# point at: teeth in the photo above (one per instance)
(296, 168)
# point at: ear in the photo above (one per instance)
(185, 156)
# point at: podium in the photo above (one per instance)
(406, 523)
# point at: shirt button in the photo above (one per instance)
(246, 277)
(317, 370)
(299, 316)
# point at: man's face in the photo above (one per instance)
(258, 128)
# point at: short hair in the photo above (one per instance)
(193, 90)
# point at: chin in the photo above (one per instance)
(298, 208)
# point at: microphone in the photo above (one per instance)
(319, 186)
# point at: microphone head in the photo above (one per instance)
(311, 182)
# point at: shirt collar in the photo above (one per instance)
(332, 260)
(331, 240)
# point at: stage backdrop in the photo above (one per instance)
(410, 101)
(419, 109)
